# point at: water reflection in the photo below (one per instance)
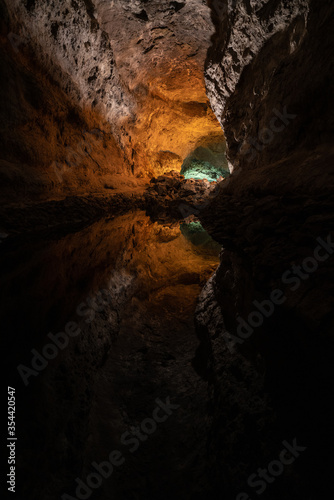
(137, 348)
(45, 277)
(198, 236)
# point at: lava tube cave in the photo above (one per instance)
(166, 255)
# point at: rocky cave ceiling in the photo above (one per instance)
(134, 68)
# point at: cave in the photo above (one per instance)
(207, 161)
(166, 249)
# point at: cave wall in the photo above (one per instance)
(278, 201)
(136, 68)
(271, 59)
(71, 47)
(159, 49)
(269, 77)
(51, 146)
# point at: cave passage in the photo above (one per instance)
(204, 170)
(207, 162)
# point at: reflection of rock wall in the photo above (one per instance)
(149, 270)
(69, 44)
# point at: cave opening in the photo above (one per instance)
(207, 161)
(198, 169)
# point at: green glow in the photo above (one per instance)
(203, 170)
(196, 234)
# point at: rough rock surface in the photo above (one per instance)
(270, 59)
(138, 66)
(268, 76)
(243, 427)
(160, 49)
(50, 146)
(278, 200)
(171, 196)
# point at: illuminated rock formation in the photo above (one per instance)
(135, 99)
